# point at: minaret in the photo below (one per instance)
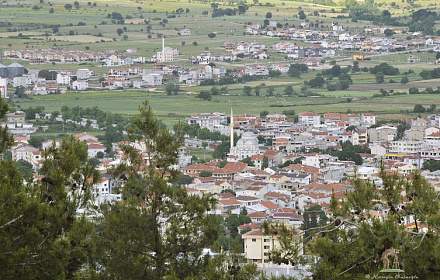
(232, 130)
(163, 49)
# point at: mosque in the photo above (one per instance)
(246, 146)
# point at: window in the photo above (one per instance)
(266, 247)
(254, 240)
(266, 240)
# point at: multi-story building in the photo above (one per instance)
(309, 119)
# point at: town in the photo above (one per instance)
(219, 140)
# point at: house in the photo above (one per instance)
(80, 85)
(413, 59)
(359, 57)
(185, 31)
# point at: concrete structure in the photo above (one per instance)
(3, 88)
(247, 146)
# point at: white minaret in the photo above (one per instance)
(163, 49)
(232, 130)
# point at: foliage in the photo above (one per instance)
(205, 95)
(418, 108)
(248, 161)
(205, 173)
(351, 246)
(177, 224)
(290, 243)
(295, 70)
(385, 68)
(172, 89)
(41, 234)
(431, 165)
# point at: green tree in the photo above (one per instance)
(270, 90)
(68, 7)
(212, 35)
(288, 90)
(159, 230)
(404, 80)
(247, 90)
(380, 77)
(264, 113)
(172, 89)
(418, 108)
(248, 161)
(351, 246)
(265, 163)
(41, 234)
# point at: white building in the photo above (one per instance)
(152, 79)
(63, 79)
(83, 74)
(3, 88)
(309, 119)
(80, 85)
(247, 146)
(407, 147)
(208, 120)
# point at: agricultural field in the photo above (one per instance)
(32, 24)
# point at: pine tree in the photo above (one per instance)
(159, 229)
(41, 234)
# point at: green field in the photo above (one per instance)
(30, 24)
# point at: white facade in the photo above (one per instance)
(153, 79)
(3, 88)
(406, 147)
(309, 119)
(80, 85)
(63, 79)
(208, 120)
(247, 146)
(83, 74)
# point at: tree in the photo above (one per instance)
(270, 90)
(404, 80)
(247, 90)
(288, 90)
(51, 10)
(388, 32)
(290, 243)
(205, 95)
(268, 15)
(41, 234)
(418, 108)
(257, 90)
(172, 89)
(178, 225)
(68, 7)
(302, 15)
(204, 145)
(264, 113)
(380, 77)
(265, 162)
(248, 161)
(295, 70)
(351, 245)
(119, 31)
(413, 90)
(316, 82)
(212, 35)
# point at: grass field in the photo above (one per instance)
(22, 26)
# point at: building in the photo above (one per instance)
(247, 146)
(309, 119)
(208, 120)
(3, 88)
(258, 245)
(80, 85)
